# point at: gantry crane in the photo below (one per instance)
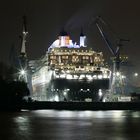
(23, 64)
(116, 81)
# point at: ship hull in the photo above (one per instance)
(77, 90)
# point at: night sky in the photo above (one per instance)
(46, 18)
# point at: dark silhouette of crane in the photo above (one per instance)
(23, 62)
(117, 58)
(115, 52)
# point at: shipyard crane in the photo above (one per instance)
(23, 54)
(117, 59)
(24, 73)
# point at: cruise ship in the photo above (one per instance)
(70, 71)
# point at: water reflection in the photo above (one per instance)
(81, 114)
(22, 128)
(70, 125)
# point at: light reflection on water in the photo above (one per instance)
(80, 114)
(70, 125)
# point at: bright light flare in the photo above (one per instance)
(100, 92)
(88, 89)
(136, 74)
(56, 98)
(117, 73)
(22, 72)
(123, 77)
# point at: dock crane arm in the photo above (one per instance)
(109, 45)
(116, 78)
(114, 52)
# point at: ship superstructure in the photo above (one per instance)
(71, 71)
(77, 63)
(72, 61)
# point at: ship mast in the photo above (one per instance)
(23, 54)
(24, 36)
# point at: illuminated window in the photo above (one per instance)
(52, 57)
(64, 57)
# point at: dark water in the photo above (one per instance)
(70, 125)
